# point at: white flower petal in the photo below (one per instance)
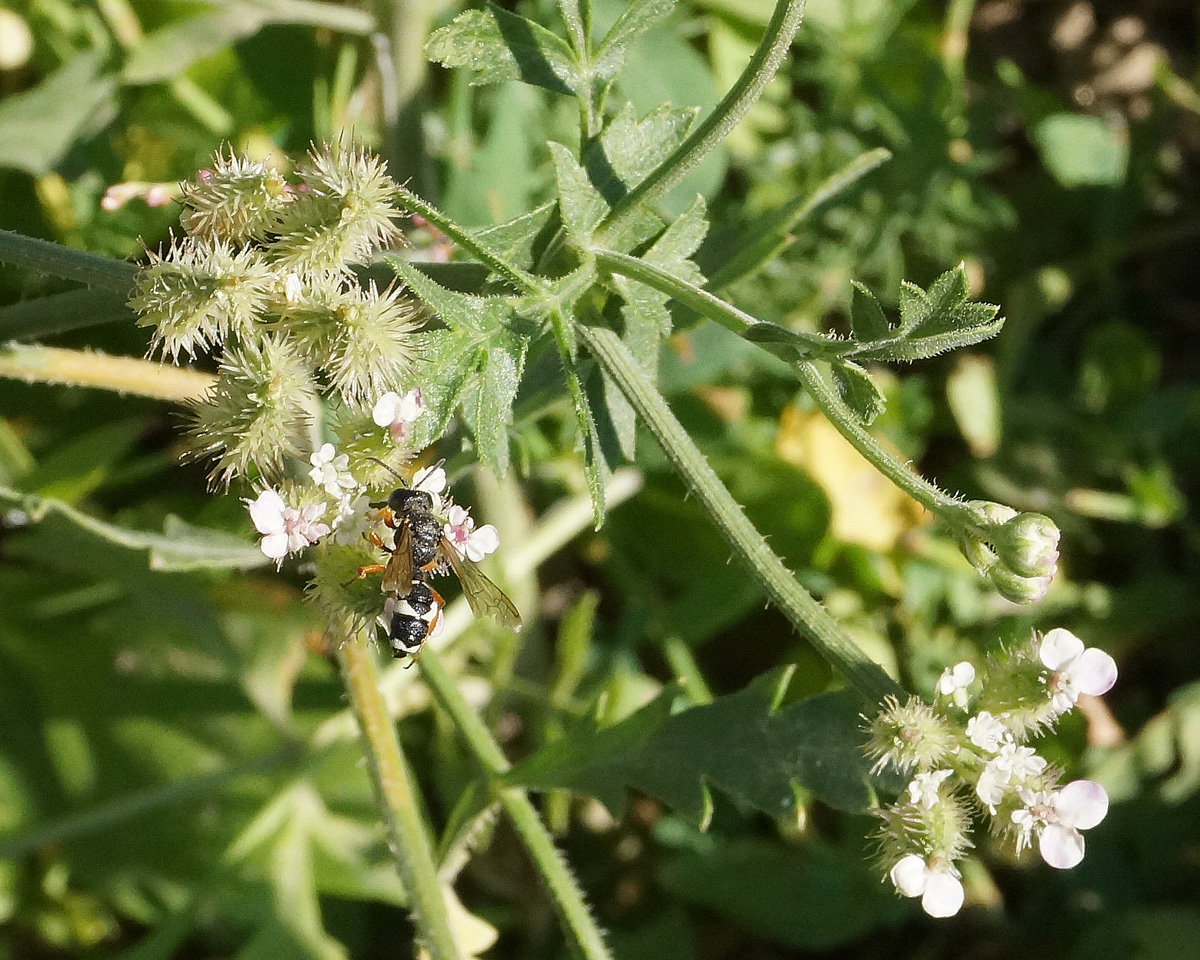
(943, 895)
(275, 545)
(266, 512)
(1059, 647)
(385, 409)
(323, 456)
(483, 540)
(1061, 846)
(430, 479)
(910, 875)
(1081, 804)
(1094, 672)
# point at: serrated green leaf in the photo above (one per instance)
(499, 46)
(630, 148)
(867, 321)
(38, 126)
(488, 398)
(743, 744)
(476, 363)
(933, 321)
(638, 17)
(582, 205)
(517, 240)
(858, 390)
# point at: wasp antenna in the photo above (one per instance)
(388, 469)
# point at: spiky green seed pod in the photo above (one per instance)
(199, 294)
(911, 736)
(238, 201)
(343, 213)
(257, 413)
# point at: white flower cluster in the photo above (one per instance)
(976, 764)
(289, 528)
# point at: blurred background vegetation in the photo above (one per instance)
(178, 777)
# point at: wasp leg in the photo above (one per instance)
(366, 571)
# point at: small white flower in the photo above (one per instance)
(1010, 768)
(954, 681)
(1074, 670)
(433, 481)
(285, 529)
(353, 519)
(398, 413)
(332, 471)
(472, 543)
(986, 731)
(940, 889)
(1057, 818)
(923, 788)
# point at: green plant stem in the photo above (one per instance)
(765, 61)
(53, 258)
(88, 368)
(808, 616)
(581, 927)
(849, 426)
(525, 282)
(395, 789)
(705, 303)
(404, 26)
(809, 374)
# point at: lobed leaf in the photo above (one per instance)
(638, 17)
(500, 46)
(858, 390)
(745, 744)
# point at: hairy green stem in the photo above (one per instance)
(53, 258)
(706, 304)
(765, 61)
(848, 425)
(826, 399)
(88, 368)
(580, 925)
(396, 791)
(808, 616)
(497, 264)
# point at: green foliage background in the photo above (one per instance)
(178, 773)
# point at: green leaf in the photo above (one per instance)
(1081, 151)
(933, 321)
(475, 364)
(629, 148)
(499, 46)
(638, 17)
(582, 205)
(867, 321)
(39, 126)
(519, 240)
(745, 744)
(624, 154)
(858, 390)
(179, 547)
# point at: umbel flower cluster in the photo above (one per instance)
(262, 279)
(969, 758)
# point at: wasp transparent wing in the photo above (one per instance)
(398, 575)
(483, 596)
